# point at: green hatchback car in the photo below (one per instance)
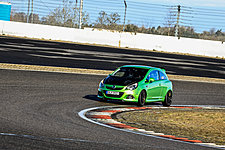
(136, 83)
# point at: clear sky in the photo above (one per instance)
(202, 15)
(191, 3)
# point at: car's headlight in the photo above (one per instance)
(132, 87)
(101, 84)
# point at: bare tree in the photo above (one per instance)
(66, 16)
(102, 19)
(170, 21)
(19, 17)
(108, 21)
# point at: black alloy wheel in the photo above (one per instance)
(142, 98)
(168, 99)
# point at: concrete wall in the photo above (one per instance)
(131, 40)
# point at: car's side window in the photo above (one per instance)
(154, 74)
(162, 76)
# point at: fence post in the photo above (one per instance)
(178, 18)
(28, 11)
(80, 18)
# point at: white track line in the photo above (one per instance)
(143, 132)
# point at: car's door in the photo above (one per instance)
(154, 88)
(163, 78)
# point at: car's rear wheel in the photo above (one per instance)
(142, 98)
(168, 99)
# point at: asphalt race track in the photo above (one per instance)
(45, 106)
(39, 110)
(34, 52)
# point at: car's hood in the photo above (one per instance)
(120, 81)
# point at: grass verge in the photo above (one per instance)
(206, 125)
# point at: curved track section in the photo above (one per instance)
(104, 116)
(40, 111)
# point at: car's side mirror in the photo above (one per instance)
(151, 80)
(147, 80)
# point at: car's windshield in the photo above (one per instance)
(131, 72)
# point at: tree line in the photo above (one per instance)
(68, 17)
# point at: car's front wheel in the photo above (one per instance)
(168, 99)
(142, 98)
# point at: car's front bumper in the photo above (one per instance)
(124, 95)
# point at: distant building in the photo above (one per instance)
(5, 11)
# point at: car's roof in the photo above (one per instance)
(140, 66)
